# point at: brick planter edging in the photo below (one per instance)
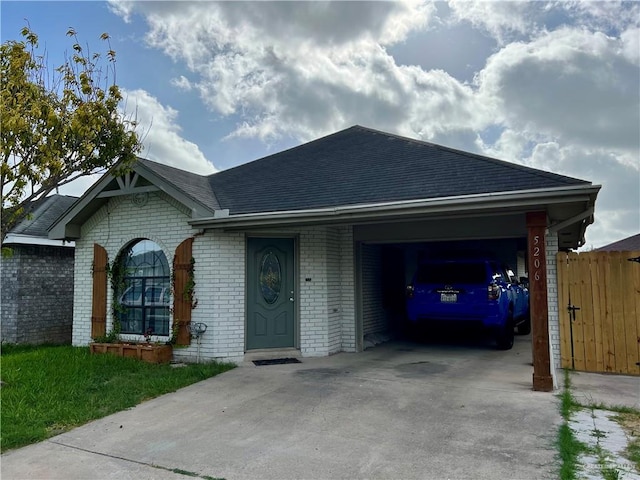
(144, 352)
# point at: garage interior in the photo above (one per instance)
(389, 254)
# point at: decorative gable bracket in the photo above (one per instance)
(127, 184)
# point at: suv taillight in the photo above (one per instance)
(409, 291)
(493, 291)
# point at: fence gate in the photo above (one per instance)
(599, 309)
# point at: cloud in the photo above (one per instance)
(520, 20)
(303, 69)
(501, 20)
(161, 136)
(574, 85)
(182, 83)
(617, 207)
(79, 186)
(609, 16)
(122, 8)
(559, 92)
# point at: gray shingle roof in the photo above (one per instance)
(628, 244)
(351, 167)
(196, 186)
(360, 165)
(43, 214)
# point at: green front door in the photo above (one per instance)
(270, 293)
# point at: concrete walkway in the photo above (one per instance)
(398, 410)
(596, 427)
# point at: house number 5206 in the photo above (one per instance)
(536, 257)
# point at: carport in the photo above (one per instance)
(526, 236)
(389, 264)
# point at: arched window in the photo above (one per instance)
(144, 301)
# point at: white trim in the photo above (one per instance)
(17, 239)
(516, 199)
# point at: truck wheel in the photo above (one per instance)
(505, 336)
(525, 327)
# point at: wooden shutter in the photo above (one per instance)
(182, 302)
(99, 298)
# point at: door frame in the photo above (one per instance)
(296, 284)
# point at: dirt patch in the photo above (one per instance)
(630, 422)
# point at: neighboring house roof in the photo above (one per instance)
(33, 228)
(628, 244)
(360, 165)
(354, 175)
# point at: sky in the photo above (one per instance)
(550, 85)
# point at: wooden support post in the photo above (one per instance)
(536, 227)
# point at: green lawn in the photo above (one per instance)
(48, 390)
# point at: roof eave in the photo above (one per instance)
(538, 198)
(20, 239)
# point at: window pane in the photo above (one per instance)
(270, 277)
(147, 289)
(131, 320)
(158, 320)
(132, 295)
(146, 259)
(452, 273)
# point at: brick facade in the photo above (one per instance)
(374, 317)
(37, 295)
(325, 297)
(552, 303)
(326, 290)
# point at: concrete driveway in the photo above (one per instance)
(398, 410)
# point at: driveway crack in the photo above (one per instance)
(178, 471)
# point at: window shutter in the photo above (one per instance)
(99, 298)
(181, 300)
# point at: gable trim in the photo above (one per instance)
(69, 225)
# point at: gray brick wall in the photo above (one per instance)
(37, 295)
(374, 318)
(9, 297)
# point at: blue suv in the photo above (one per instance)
(477, 291)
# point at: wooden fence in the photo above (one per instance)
(604, 334)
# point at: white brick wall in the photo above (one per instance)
(552, 303)
(334, 307)
(220, 282)
(327, 311)
(219, 271)
(313, 306)
(325, 298)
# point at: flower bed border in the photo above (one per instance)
(145, 352)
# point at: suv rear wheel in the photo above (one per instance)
(505, 335)
(525, 327)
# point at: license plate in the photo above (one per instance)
(448, 297)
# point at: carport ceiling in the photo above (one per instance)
(439, 229)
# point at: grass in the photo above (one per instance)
(630, 422)
(48, 390)
(633, 452)
(569, 448)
